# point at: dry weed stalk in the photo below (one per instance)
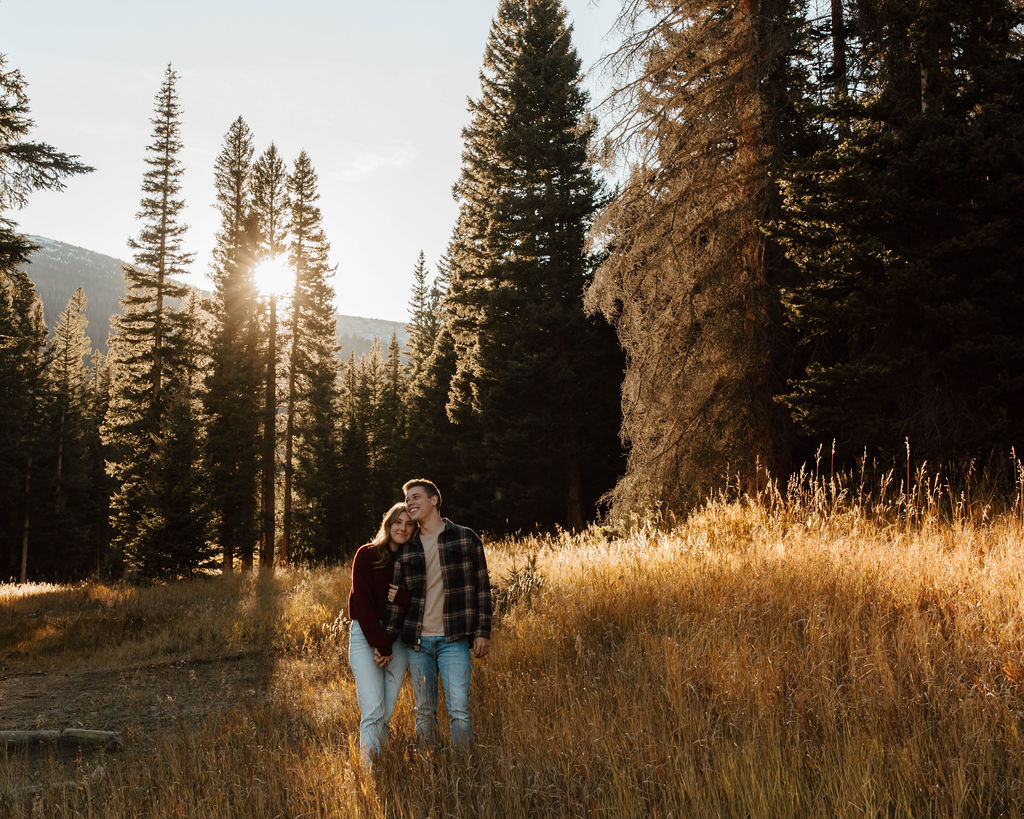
(822, 650)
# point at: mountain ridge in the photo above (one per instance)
(58, 268)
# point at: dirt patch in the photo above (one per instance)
(134, 701)
(114, 699)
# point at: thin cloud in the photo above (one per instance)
(370, 161)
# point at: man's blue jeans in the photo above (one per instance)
(450, 661)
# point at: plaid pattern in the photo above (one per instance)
(467, 587)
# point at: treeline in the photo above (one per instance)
(816, 237)
(226, 433)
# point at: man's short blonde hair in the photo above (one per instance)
(429, 486)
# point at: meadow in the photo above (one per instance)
(821, 649)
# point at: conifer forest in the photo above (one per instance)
(791, 231)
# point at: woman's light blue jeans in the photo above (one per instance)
(451, 662)
(376, 689)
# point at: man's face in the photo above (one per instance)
(419, 503)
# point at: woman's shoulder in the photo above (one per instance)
(364, 552)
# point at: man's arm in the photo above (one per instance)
(482, 638)
(398, 600)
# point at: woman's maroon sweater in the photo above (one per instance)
(369, 597)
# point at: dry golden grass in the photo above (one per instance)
(814, 653)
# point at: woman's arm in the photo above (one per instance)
(361, 602)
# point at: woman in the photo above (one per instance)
(378, 663)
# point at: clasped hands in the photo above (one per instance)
(480, 648)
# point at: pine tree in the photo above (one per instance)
(143, 346)
(270, 202)
(391, 422)
(432, 440)
(380, 399)
(355, 512)
(25, 166)
(181, 529)
(70, 378)
(271, 208)
(99, 481)
(908, 239)
(531, 370)
(311, 436)
(234, 378)
(423, 318)
(705, 115)
(22, 392)
(71, 497)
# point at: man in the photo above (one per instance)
(440, 605)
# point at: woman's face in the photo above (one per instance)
(401, 530)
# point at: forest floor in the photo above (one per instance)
(139, 702)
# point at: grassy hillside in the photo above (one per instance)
(825, 653)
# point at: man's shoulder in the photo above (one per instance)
(453, 530)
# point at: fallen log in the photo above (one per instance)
(70, 736)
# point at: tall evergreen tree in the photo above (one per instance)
(99, 482)
(432, 440)
(355, 509)
(380, 399)
(22, 395)
(25, 166)
(391, 419)
(705, 116)
(908, 238)
(178, 478)
(143, 346)
(271, 209)
(422, 327)
(534, 378)
(270, 202)
(69, 375)
(71, 502)
(312, 417)
(234, 377)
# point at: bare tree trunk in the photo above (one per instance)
(286, 534)
(289, 434)
(25, 520)
(269, 430)
(756, 137)
(839, 61)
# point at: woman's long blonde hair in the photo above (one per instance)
(382, 540)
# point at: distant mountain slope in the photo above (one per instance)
(56, 269)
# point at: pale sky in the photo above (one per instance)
(375, 93)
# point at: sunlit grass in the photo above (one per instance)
(813, 652)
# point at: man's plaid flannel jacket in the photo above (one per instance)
(467, 587)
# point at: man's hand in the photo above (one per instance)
(481, 645)
(381, 659)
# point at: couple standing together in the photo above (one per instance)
(421, 599)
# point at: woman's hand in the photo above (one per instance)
(381, 659)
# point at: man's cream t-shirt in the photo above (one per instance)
(433, 606)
